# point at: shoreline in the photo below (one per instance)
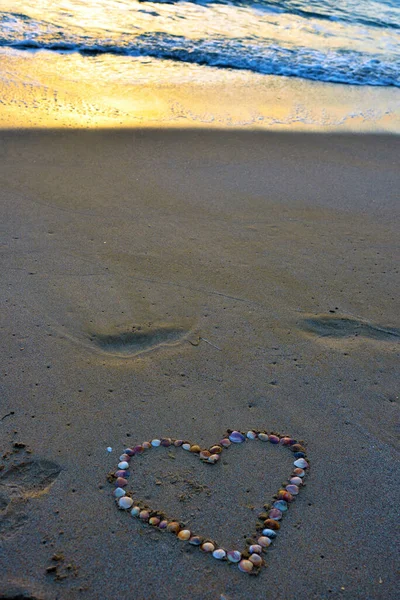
(41, 89)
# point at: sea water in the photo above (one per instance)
(341, 41)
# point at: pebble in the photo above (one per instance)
(281, 505)
(219, 554)
(125, 502)
(301, 463)
(263, 437)
(119, 492)
(274, 439)
(213, 458)
(293, 489)
(286, 441)
(236, 437)
(123, 465)
(255, 549)
(208, 547)
(155, 521)
(186, 446)
(275, 514)
(264, 541)
(178, 443)
(173, 527)
(129, 451)
(163, 525)
(184, 535)
(297, 448)
(296, 481)
(251, 435)
(121, 482)
(269, 533)
(195, 540)
(246, 566)
(285, 495)
(156, 443)
(205, 454)
(299, 472)
(109, 449)
(195, 448)
(146, 445)
(121, 474)
(124, 456)
(225, 443)
(256, 560)
(272, 524)
(234, 556)
(166, 442)
(135, 511)
(215, 449)
(144, 515)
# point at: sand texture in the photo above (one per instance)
(179, 283)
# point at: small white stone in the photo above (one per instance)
(155, 443)
(109, 449)
(186, 446)
(125, 502)
(119, 492)
(263, 437)
(301, 463)
(251, 435)
(219, 554)
(123, 465)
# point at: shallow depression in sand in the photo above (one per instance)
(130, 341)
(345, 327)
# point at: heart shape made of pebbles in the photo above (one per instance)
(250, 559)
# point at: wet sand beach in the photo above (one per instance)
(178, 283)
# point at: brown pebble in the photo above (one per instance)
(195, 448)
(173, 527)
(271, 524)
(297, 448)
(205, 454)
(216, 450)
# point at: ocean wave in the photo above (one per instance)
(382, 13)
(338, 67)
(218, 34)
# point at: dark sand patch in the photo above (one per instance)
(20, 591)
(345, 327)
(138, 338)
(19, 483)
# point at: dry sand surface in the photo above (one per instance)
(179, 283)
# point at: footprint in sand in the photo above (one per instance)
(137, 339)
(17, 591)
(347, 327)
(19, 483)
